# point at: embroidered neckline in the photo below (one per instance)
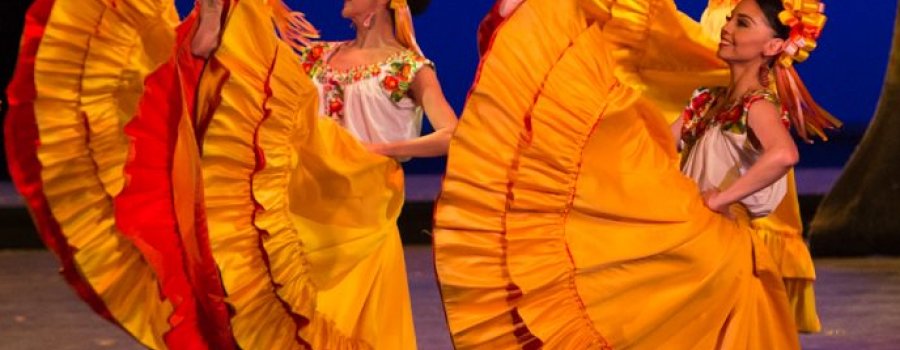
(387, 60)
(733, 117)
(394, 73)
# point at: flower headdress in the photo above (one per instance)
(805, 18)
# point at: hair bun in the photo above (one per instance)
(417, 7)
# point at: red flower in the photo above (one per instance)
(701, 127)
(390, 82)
(315, 53)
(687, 115)
(731, 115)
(335, 106)
(701, 100)
(307, 67)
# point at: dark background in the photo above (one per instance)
(844, 74)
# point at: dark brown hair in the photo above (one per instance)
(771, 9)
(416, 7)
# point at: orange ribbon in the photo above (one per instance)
(292, 26)
(403, 25)
(806, 18)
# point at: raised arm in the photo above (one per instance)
(206, 38)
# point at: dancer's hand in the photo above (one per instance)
(713, 200)
(378, 148)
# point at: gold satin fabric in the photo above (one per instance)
(302, 218)
(89, 74)
(564, 221)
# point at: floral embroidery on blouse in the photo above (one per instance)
(334, 99)
(395, 74)
(400, 73)
(311, 59)
(733, 118)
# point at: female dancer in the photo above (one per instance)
(582, 230)
(353, 78)
(734, 138)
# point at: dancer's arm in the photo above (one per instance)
(508, 6)
(778, 156)
(206, 39)
(426, 91)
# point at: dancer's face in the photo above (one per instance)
(748, 36)
(357, 9)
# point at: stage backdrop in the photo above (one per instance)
(845, 73)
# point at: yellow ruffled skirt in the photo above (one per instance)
(302, 218)
(77, 82)
(282, 215)
(782, 232)
(575, 229)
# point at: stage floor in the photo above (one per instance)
(425, 188)
(859, 302)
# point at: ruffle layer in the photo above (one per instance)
(308, 245)
(655, 48)
(160, 207)
(21, 135)
(87, 76)
(478, 293)
(782, 233)
(261, 320)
